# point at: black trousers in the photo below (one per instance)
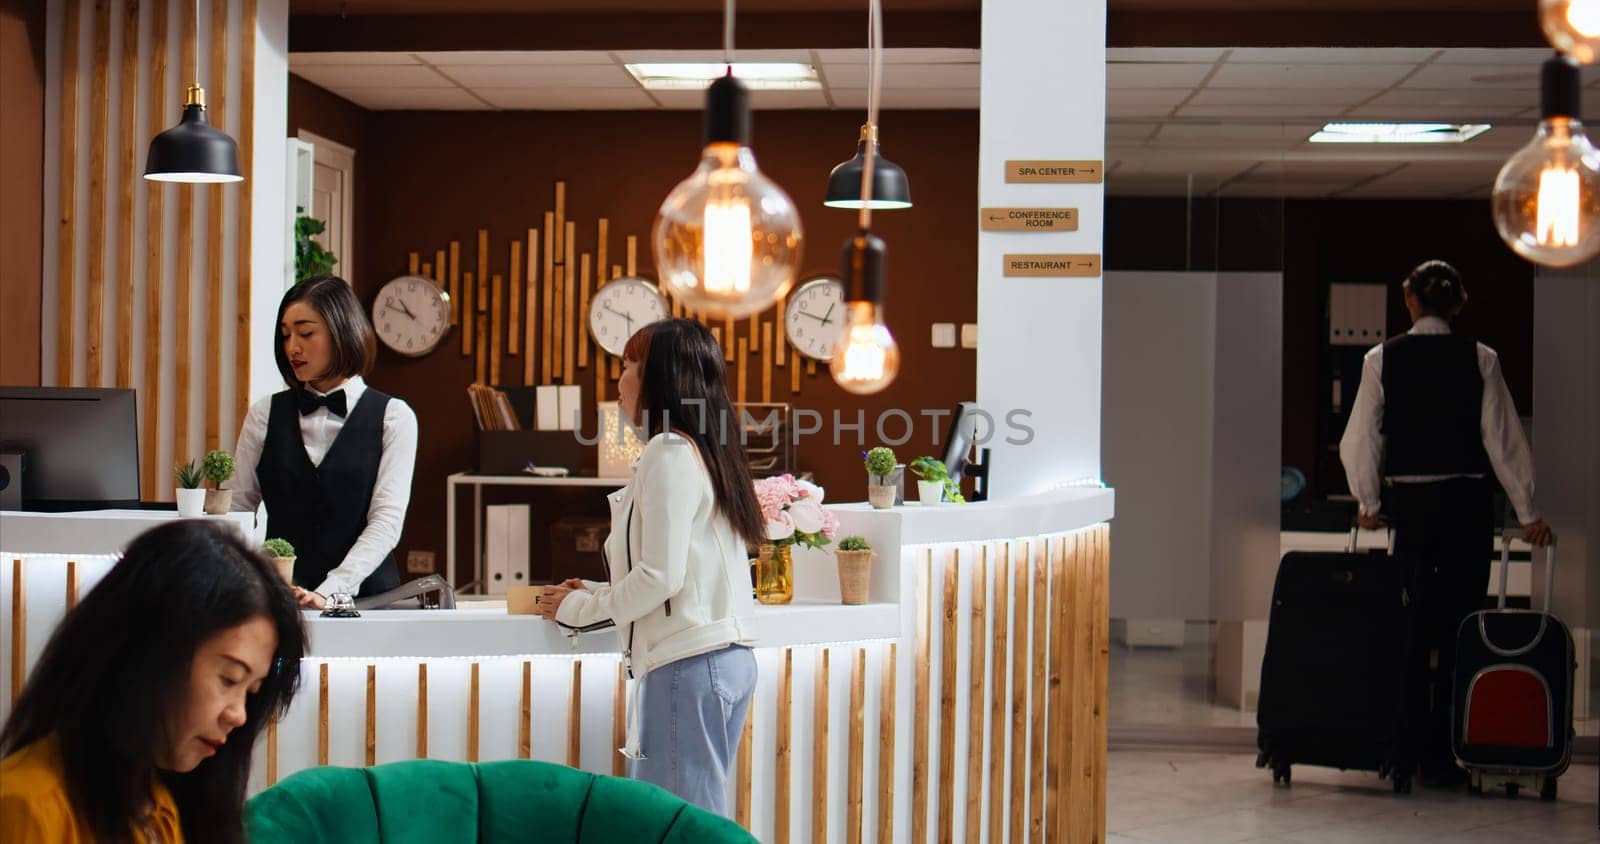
(1446, 528)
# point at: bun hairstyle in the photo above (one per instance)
(1438, 288)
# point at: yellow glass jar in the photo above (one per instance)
(775, 574)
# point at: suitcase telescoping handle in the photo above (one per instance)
(1544, 612)
(1355, 533)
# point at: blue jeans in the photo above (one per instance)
(694, 712)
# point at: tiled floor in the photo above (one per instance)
(1176, 798)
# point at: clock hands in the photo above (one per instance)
(824, 319)
(402, 309)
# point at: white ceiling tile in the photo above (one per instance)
(1513, 100)
(412, 99)
(1124, 132)
(1177, 166)
(1168, 97)
(1117, 185)
(1384, 189)
(1164, 54)
(1276, 190)
(908, 76)
(567, 99)
(1512, 77)
(1441, 113)
(788, 99)
(679, 100)
(517, 57)
(1273, 136)
(1329, 55)
(1309, 75)
(904, 55)
(1139, 75)
(1280, 96)
(1309, 111)
(299, 60)
(1527, 56)
(1119, 110)
(922, 99)
(374, 76)
(700, 56)
(540, 76)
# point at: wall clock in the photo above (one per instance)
(621, 307)
(814, 316)
(411, 315)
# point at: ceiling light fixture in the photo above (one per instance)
(1398, 133)
(695, 76)
(1546, 200)
(866, 358)
(1573, 27)
(193, 151)
(890, 189)
(727, 239)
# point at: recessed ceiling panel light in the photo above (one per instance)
(1398, 133)
(695, 76)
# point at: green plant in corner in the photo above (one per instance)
(310, 259)
(933, 469)
(854, 543)
(277, 548)
(880, 463)
(188, 475)
(217, 467)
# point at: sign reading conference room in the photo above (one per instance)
(1028, 219)
(1053, 266)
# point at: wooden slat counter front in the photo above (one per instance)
(986, 636)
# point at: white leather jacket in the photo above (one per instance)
(680, 577)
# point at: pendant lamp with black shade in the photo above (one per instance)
(193, 151)
(890, 188)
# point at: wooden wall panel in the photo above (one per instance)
(66, 275)
(211, 284)
(154, 473)
(127, 178)
(244, 277)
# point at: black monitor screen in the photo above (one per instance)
(959, 441)
(80, 445)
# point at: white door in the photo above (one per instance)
(332, 194)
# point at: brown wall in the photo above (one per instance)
(21, 189)
(432, 177)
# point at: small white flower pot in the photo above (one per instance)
(191, 503)
(930, 492)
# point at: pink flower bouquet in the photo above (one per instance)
(792, 511)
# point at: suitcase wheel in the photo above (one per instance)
(1281, 773)
(1547, 792)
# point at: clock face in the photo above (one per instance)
(411, 315)
(621, 307)
(814, 317)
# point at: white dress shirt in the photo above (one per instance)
(390, 495)
(1361, 448)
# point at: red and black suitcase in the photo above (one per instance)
(1511, 723)
(1333, 680)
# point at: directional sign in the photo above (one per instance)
(1074, 266)
(1028, 219)
(1058, 172)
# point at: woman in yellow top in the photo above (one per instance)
(138, 721)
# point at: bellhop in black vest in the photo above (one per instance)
(1433, 406)
(322, 509)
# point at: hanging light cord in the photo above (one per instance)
(727, 34)
(875, 84)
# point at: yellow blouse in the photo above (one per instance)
(34, 805)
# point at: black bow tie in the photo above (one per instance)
(333, 401)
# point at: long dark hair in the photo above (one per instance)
(684, 386)
(354, 342)
(120, 663)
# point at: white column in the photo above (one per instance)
(1039, 338)
(269, 192)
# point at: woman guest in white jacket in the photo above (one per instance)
(677, 555)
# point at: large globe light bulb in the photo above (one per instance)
(866, 358)
(1547, 197)
(727, 239)
(1572, 27)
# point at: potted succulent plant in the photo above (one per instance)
(217, 467)
(883, 477)
(281, 553)
(934, 483)
(855, 569)
(191, 498)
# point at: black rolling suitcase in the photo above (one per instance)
(1511, 717)
(1333, 682)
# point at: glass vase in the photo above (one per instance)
(775, 574)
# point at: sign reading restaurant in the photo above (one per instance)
(1068, 266)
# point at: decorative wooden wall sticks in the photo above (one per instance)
(514, 324)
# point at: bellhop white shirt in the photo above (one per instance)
(1361, 448)
(391, 495)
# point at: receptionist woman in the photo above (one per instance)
(331, 457)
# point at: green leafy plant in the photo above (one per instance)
(277, 548)
(217, 467)
(188, 475)
(310, 259)
(932, 469)
(854, 543)
(880, 462)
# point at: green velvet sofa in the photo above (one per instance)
(492, 802)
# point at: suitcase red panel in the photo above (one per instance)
(1509, 706)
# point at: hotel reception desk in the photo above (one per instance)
(967, 699)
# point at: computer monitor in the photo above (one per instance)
(80, 446)
(958, 445)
